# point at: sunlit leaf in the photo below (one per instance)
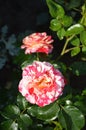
(67, 21)
(75, 41)
(61, 33)
(55, 25)
(55, 9)
(74, 29)
(83, 37)
(75, 51)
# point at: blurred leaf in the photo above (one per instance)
(4, 30)
(83, 37)
(9, 125)
(22, 102)
(3, 60)
(61, 33)
(74, 4)
(74, 29)
(67, 21)
(71, 118)
(12, 39)
(47, 113)
(55, 9)
(75, 51)
(55, 25)
(11, 112)
(75, 41)
(78, 68)
(81, 105)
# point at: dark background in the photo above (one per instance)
(20, 15)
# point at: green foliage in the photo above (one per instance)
(71, 118)
(68, 25)
(46, 113)
(55, 9)
(78, 68)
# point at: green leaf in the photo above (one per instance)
(74, 29)
(55, 25)
(67, 21)
(71, 118)
(64, 120)
(61, 33)
(74, 4)
(55, 9)
(75, 51)
(11, 112)
(84, 48)
(78, 68)
(22, 102)
(81, 105)
(83, 37)
(24, 121)
(9, 125)
(47, 113)
(75, 41)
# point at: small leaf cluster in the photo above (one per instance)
(67, 28)
(66, 113)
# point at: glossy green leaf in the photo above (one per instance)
(71, 118)
(55, 9)
(67, 21)
(47, 113)
(74, 29)
(83, 37)
(24, 121)
(9, 125)
(75, 41)
(22, 102)
(75, 51)
(55, 25)
(78, 68)
(61, 33)
(11, 112)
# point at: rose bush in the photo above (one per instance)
(37, 42)
(41, 83)
(46, 101)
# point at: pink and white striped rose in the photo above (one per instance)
(41, 83)
(37, 42)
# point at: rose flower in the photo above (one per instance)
(37, 42)
(41, 83)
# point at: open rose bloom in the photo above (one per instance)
(37, 42)
(41, 83)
